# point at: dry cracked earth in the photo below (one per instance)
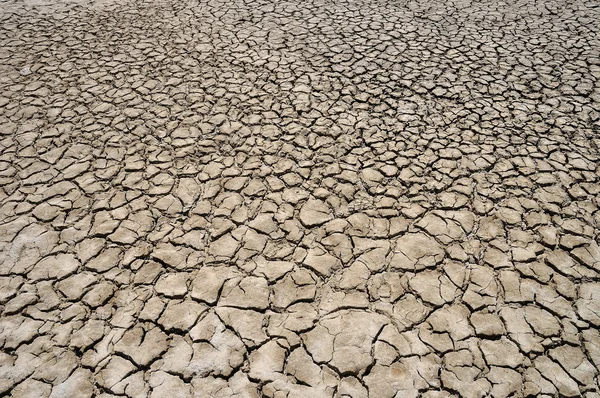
(339, 198)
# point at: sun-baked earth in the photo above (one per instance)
(319, 199)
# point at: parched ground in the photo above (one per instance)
(301, 199)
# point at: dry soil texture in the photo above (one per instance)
(338, 198)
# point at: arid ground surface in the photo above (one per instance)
(338, 198)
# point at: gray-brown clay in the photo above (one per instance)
(320, 199)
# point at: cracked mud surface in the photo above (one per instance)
(299, 199)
